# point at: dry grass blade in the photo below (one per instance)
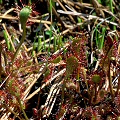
(45, 84)
(88, 16)
(32, 80)
(50, 101)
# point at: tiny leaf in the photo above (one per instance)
(96, 78)
(57, 60)
(72, 64)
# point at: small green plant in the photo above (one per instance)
(24, 14)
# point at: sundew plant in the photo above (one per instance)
(59, 60)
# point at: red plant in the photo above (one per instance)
(33, 14)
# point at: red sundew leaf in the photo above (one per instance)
(109, 41)
(31, 5)
(35, 111)
(72, 64)
(96, 78)
(61, 112)
(76, 44)
(56, 60)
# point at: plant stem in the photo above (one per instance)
(112, 10)
(21, 42)
(95, 98)
(118, 87)
(21, 106)
(0, 61)
(110, 80)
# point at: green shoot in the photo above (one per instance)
(22, 109)
(100, 38)
(6, 39)
(1, 1)
(112, 10)
(55, 44)
(24, 14)
(49, 32)
(39, 45)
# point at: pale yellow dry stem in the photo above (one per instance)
(90, 6)
(9, 17)
(48, 28)
(8, 11)
(40, 21)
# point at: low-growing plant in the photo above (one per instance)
(78, 79)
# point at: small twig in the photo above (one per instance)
(0, 61)
(82, 17)
(9, 17)
(118, 87)
(5, 80)
(10, 10)
(89, 6)
(110, 80)
(40, 21)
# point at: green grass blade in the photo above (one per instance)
(103, 36)
(55, 44)
(39, 45)
(6, 39)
